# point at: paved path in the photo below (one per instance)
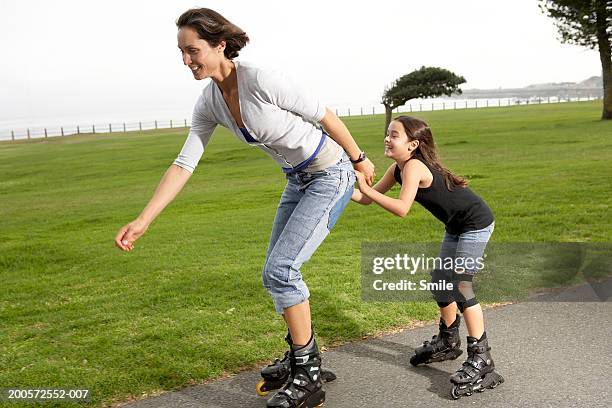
(555, 352)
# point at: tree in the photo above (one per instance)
(426, 82)
(587, 23)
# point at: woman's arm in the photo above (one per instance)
(338, 131)
(170, 185)
(384, 184)
(285, 93)
(411, 177)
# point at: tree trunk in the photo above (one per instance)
(607, 86)
(606, 61)
(388, 114)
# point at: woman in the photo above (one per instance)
(264, 109)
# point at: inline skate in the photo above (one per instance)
(304, 386)
(477, 372)
(446, 345)
(275, 375)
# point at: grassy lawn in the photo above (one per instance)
(187, 304)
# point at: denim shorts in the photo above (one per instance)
(308, 209)
(467, 245)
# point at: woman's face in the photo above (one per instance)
(202, 59)
(397, 145)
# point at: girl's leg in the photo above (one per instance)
(446, 345)
(472, 245)
(474, 320)
(449, 313)
(445, 299)
(478, 372)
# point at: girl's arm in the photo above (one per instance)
(384, 184)
(339, 132)
(413, 173)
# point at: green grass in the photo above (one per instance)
(187, 304)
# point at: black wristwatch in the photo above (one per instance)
(362, 157)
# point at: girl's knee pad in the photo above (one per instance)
(462, 287)
(439, 294)
(468, 303)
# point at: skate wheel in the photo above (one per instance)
(454, 393)
(456, 354)
(328, 376)
(259, 390)
(497, 379)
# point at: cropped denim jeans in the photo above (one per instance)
(467, 245)
(308, 209)
(466, 251)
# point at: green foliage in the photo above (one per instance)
(580, 21)
(187, 304)
(587, 23)
(426, 82)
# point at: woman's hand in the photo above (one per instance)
(365, 167)
(173, 181)
(129, 233)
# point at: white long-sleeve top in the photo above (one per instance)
(276, 112)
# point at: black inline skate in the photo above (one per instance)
(304, 387)
(446, 345)
(275, 375)
(477, 373)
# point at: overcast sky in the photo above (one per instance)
(119, 58)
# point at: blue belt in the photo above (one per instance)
(305, 163)
(247, 135)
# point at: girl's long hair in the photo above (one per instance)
(417, 129)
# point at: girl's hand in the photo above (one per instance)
(129, 233)
(361, 180)
(366, 167)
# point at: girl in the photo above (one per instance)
(469, 224)
(265, 110)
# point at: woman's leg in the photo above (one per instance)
(289, 200)
(299, 323)
(324, 196)
(318, 198)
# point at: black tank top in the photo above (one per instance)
(460, 210)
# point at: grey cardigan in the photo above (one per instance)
(276, 112)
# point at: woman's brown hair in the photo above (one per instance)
(417, 129)
(214, 28)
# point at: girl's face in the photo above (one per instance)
(202, 59)
(397, 145)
